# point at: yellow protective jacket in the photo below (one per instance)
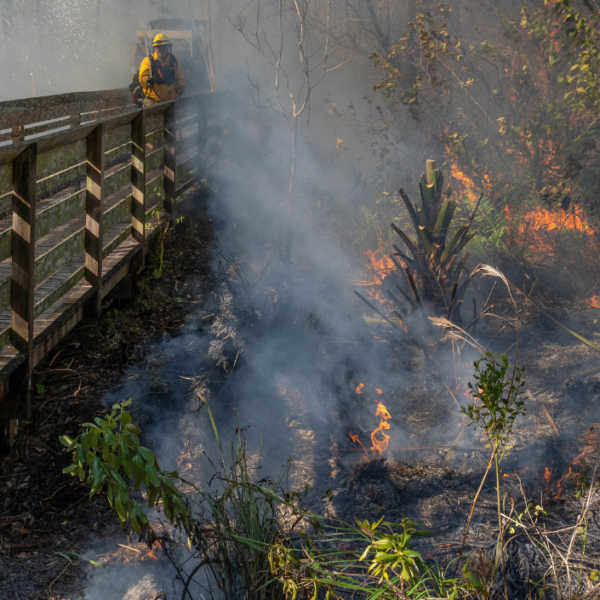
(160, 92)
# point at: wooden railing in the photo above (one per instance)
(78, 207)
(26, 119)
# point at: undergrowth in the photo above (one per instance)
(251, 538)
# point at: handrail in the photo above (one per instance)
(83, 232)
(20, 113)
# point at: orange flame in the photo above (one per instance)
(150, 553)
(537, 229)
(359, 389)
(382, 264)
(382, 411)
(355, 440)
(380, 446)
(378, 391)
(595, 302)
(554, 486)
(516, 474)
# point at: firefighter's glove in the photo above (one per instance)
(150, 81)
(180, 90)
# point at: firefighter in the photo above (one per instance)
(160, 75)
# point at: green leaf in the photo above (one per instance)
(96, 468)
(151, 476)
(125, 418)
(147, 455)
(65, 440)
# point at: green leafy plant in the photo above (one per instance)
(156, 260)
(228, 530)
(208, 185)
(372, 560)
(498, 399)
(108, 456)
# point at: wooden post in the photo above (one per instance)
(138, 177)
(22, 285)
(170, 157)
(23, 249)
(94, 209)
(18, 130)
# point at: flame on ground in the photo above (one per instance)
(150, 553)
(379, 439)
(380, 266)
(538, 228)
(517, 474)
(595, 302)
(382, 412)
(547, 475)
(555, 486)
(380, 446)
(355, 440)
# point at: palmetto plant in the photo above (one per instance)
(432, 270)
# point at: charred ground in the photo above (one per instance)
(46, 518)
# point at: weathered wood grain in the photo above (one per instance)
(188, 142)
(170, 158)
(61, 179)
(138, 177)
(6, 174)
(119, 211)
(186, 163)
(45, 108)
(23, 250)
(56, 160)
(117, 136)
(117, 177)
(155, 159)
(58, 214)
(94, 212)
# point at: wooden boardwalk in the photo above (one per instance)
(84, 183)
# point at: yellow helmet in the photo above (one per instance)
(161, 40)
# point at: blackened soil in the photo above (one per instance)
(46, 520)
(434, 495)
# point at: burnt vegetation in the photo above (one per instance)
(443, 429)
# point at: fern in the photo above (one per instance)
(491, 227)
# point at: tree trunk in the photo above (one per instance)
(290, 220)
